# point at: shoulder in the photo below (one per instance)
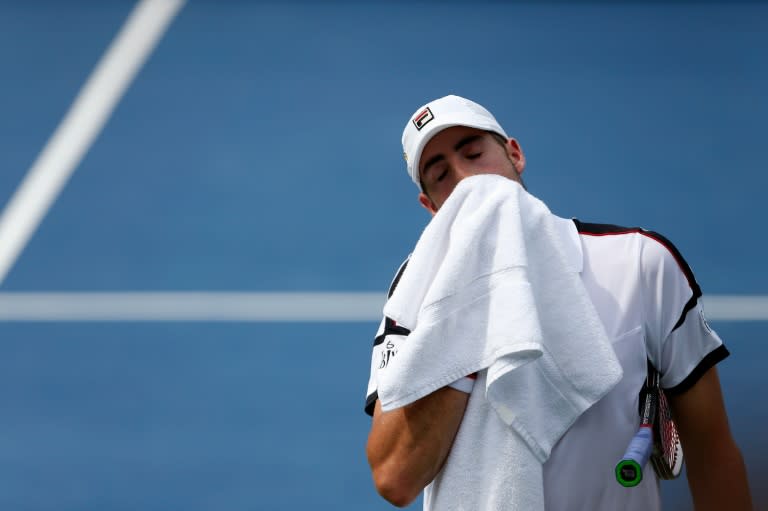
(654, 250)
(612, 231)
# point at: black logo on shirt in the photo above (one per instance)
(387, 354)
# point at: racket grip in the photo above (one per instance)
(629, 471)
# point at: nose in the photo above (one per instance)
(462, 170)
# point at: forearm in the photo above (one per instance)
(716, 473)
(408, 446)
(719, 481)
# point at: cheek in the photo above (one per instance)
(445, 190)
(502, 167)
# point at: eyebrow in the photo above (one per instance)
(457, 147)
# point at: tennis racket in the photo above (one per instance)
(656, 439)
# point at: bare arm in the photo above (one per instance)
(408, 446)
(717, 476)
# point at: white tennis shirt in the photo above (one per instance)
(648, 300)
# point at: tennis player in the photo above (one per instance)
(447, 443)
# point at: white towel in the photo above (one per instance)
(489, 286)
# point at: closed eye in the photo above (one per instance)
(474, 156)
(442, 175)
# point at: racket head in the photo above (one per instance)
(667, 456)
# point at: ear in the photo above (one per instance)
(515, 153)
(427, 203)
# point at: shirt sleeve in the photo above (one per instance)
(681, 344)
(385, 344)
(385, 347)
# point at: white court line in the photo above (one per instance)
(736, 307)
(191, 306)
(83, 122)
(255, 307)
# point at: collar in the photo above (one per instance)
(568, 232)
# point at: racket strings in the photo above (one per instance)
(667, 453)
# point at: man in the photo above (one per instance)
(646, 298)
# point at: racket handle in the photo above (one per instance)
(629, 471)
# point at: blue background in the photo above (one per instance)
(259, 150)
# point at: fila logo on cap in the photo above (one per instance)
(423, 118)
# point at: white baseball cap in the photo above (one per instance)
(436, 116)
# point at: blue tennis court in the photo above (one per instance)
(257, 151)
